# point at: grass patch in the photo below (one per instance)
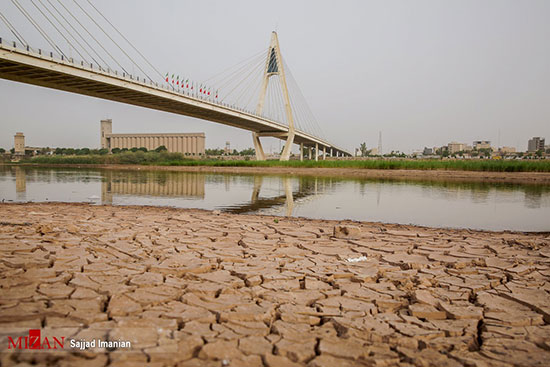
(177, 159)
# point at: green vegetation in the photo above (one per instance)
(218, 151)
(124, 157)
(164, 158)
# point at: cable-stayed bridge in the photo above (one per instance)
(259, 94)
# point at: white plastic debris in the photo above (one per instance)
(356, 259)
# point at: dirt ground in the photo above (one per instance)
(203, 288)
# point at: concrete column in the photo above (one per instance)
(301, 152)
(324, 153)
(202, 141)
(260, 155)
(316, 151)
(185, 146)
(310, 153)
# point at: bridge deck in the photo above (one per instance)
(28, 66)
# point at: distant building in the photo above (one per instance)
(507, 150)
(429, 151)
(482, 144)
(19, 143)
(227, 149)
(187, 144)
(535, 144)
(21, 149)
(455, 147)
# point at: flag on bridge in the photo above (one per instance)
(178, 81)
(166, 76)
(172, 78)
(216, 94)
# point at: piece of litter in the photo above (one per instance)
(356, 259)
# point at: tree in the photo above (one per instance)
(103, 151)
(143, 149)
(12, 150)
(248, 151)
(162, 148)
(134, 149)
(2, 150)
(539, 153)
(363, 149)
(115, 150)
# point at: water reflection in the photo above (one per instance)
(151, 183)
(20, 184)
(306, 187)
(451, 204)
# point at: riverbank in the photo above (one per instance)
(534, 178)
(207, 288)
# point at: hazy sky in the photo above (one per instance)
(423, 72)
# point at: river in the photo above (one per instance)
(428, 203)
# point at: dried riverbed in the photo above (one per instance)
(200, 288)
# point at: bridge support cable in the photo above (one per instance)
(126, 39)
(305, 114)
(57, 29)
(37, 26)
(13, 30)
(112, 40)
(236, 80)
(105, 64)
(92, 36)
(84, 49)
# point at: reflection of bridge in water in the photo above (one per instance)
(307, 187)
(151, 183)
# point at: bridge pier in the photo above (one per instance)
(316, 151)
(301, 152)
(260, 155)
(285, 156)
(324, 153)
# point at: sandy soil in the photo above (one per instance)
(538, 178)
(201, 288)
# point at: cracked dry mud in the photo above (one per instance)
(197, 288)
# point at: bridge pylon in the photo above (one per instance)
(274, 66)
